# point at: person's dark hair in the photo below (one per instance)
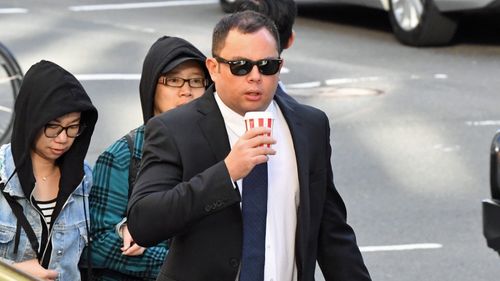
(282, 12)
(244, 22)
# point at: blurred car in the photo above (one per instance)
(415, 22)
(491, 207)
(8, 273)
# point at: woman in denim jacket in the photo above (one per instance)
(44, 180)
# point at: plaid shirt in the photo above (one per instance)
(108, 206)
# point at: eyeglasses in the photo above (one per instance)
(54, 130)
(178, 82)
(244, 66)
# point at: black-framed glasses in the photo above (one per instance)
(242, 67)
(72, 131)
(178, 82)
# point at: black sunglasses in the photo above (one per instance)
(242, 67)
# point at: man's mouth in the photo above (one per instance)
(253, 95)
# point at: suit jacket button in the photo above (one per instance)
(234, 262)
(208, 208)
(218, 203)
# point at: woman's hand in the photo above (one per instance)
(130, 248)
(32, 267)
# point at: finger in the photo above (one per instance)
(127, 242)
(126, 245)
(128, 249)
(260, 159)
(251, 133)
(52, 274)
(134, 250)
(261, 140)
(262, 150)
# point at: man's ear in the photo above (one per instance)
(281, 65)
(291, 39)
(213, 68)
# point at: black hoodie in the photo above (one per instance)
(164, 55)
(48, 92)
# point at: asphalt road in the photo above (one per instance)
(411, 128)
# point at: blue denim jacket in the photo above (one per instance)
(69, 234)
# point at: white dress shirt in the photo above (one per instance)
(283, 193)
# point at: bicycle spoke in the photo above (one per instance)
(10, 82)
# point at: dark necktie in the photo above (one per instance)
(254, 211)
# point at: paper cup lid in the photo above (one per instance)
(258, 114)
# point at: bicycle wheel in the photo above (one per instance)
(11, 76)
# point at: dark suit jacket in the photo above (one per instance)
(184, 192)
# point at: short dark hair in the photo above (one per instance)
(282, 12)
(245, 22)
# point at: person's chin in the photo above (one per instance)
(257, 103)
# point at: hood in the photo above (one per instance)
(47, 92)
(164, 55)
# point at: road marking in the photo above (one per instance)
(127, 26)
(307, 85)
(403, 247)
(107, 76)
(441, 76)
(331, 82)
(6, 109)
(338, 81)
(445, 148)
(13, 11)
(86, 8)
(284, 70)
(483, 123)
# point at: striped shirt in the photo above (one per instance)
(47, 208)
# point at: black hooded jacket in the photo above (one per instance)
(48, 92)
(164, 55)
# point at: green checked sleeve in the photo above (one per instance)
(108, 207)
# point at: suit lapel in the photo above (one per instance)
(289, 107)
(212, 125)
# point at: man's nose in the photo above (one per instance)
(254, 74)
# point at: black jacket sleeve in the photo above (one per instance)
(165, 202)
(338, 254)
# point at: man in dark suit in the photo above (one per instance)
(197, 157)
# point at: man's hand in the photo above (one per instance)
(34, 268)
(130, 248)
(250, 150)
